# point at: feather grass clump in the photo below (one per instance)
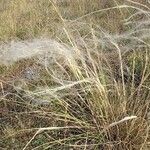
(91, 93)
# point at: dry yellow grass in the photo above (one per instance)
(98, 98)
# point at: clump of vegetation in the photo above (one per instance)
(97, 98)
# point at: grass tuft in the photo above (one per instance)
(74, 75)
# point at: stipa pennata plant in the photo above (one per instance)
(92, 104)
(96, 97)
